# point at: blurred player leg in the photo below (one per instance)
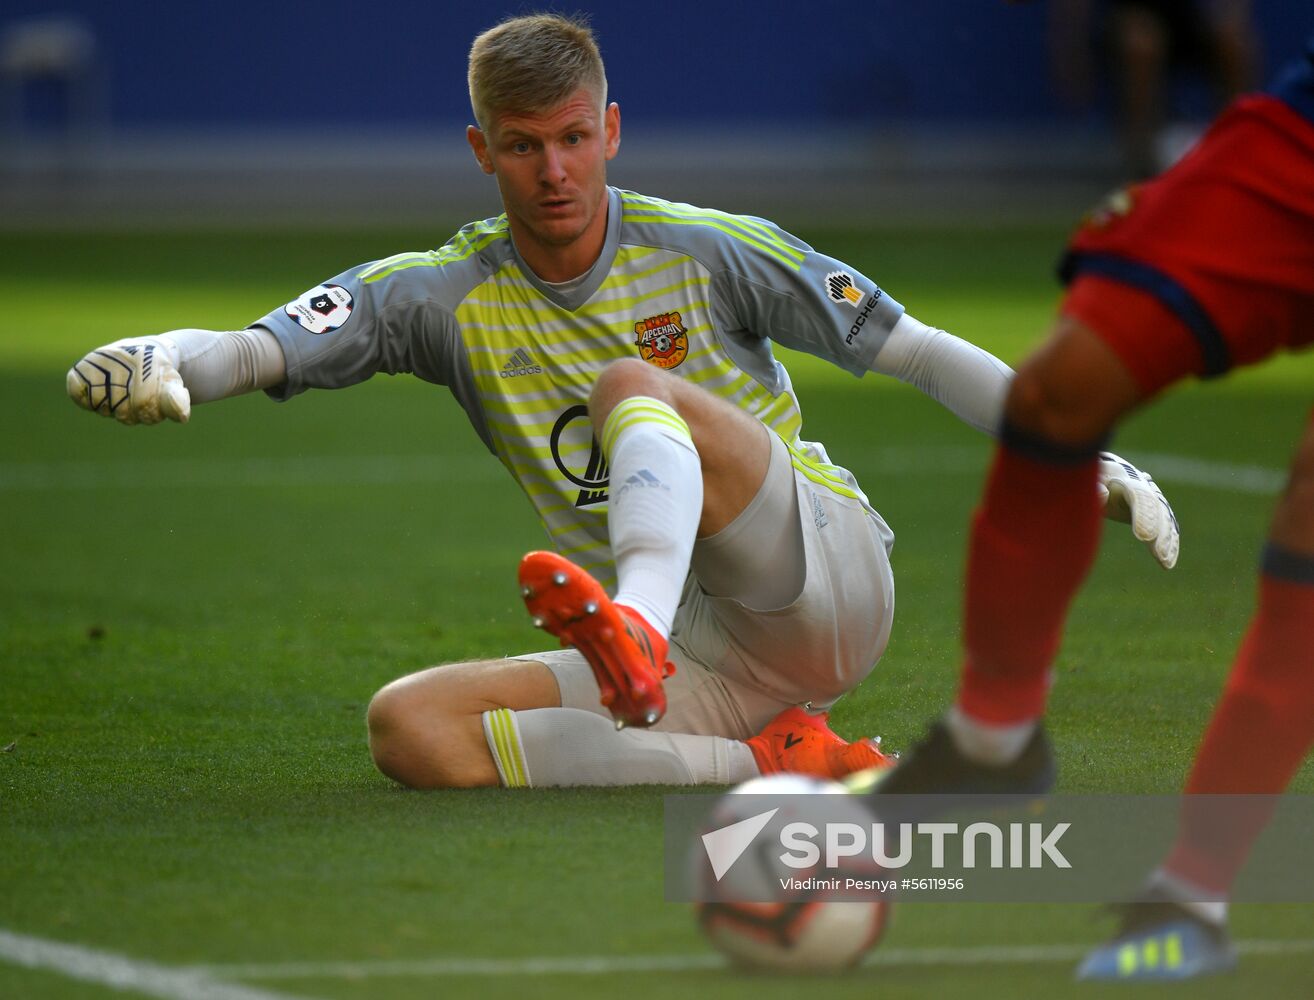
(1033, 540)
(1260, 732)
(1034, 537)
(1258, 295)
(1140, 314)
(1264, 725)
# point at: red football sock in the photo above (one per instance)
(1033, 541)
(1260, 731)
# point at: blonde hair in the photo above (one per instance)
(532, 63)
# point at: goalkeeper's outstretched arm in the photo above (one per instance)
(973, 384)
(143, 380)
(969, 382)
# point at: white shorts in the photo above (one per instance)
(738, 667)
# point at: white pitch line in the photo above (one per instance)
(119, 972)
(1227, 477)
(320, 470)
(1254, 479)
(589, 965)
(576, 965)
(422, 469)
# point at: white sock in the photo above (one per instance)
(655, 505)
(547, 747)
(1197, 901)
(985, 743)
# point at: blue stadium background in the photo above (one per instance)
(312, 87)
(244, 62)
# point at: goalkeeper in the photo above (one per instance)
(718, 581)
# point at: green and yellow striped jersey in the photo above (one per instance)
(697, 292)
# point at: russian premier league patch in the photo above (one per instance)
(322, 309)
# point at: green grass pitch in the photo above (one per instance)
(192, 620)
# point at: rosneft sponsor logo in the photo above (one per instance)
(856, 329)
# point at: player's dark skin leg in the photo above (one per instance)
(1040, 404)
(1293, 520)
(1074, 389)
(426, 729)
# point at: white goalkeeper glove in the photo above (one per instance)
(1134, 498)
(133, 381)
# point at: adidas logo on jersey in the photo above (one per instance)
(520, 364)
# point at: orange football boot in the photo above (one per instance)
(627, 656)
(799, 743)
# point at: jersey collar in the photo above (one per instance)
(595, 276)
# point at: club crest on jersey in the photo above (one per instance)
(322, 309)
(662, 340)
(840, 289)
(1116, 205)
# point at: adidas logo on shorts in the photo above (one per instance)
(521, 363)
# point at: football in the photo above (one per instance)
(814, 930)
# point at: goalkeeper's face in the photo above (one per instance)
(551, 169)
